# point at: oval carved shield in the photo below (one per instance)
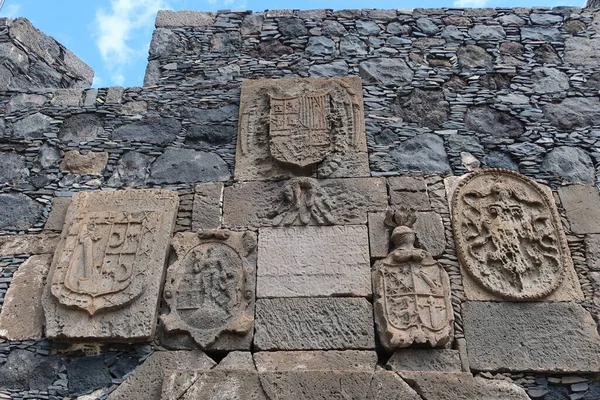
(508, 234)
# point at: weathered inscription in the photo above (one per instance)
(210, 289)
(412, 294)
(508, 235)
(299, 127)
(313, 261)
(106, 272)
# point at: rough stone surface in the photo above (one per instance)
(206, 212)
(571, 164)
(440, 360)
(13, 168)
(582, 205)
(314, 324)
(573, 112)
(331, 360)
(540, 34)
(461, 386)
(24, 101)
(160, 131)
(270, 146)
(329, 70)
(486, 120)
(386, 71)
(18, 212)
(582, 51)
(423, 154)
(132, 170)
(146, 381)
(90, 163)
(34, 126)
(549, 80)
(592, 254)
(209, 292)
(313, 261)
(424, 108)
(129, 309)
(340, 201)
(550, 337)
(487, 33)
(48, 157)
(176, 19)
(28, 244)
(430, 232)
(43, 46)
(212, 385)
(408, 192)
(237, 360)
(87, 374)
(25, 370)
(188, 166)
(471, 56)
(22, 316)
(320, 46)
(379, 235)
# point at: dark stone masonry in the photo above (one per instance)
(414, 215)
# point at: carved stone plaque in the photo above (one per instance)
(299, 127)
(106, 273)
(412, 296)
(210, 289)
(508, 235)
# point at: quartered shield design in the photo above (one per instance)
(415, 297)
(299, 129)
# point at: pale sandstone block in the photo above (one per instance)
(545, 337)
(108, 268)
(44, 243)
(440, 360)
(56, 219)
(22, 316)
(314, 324)
(331, 360)
(206, 212)
(582, 205)
(313, 261)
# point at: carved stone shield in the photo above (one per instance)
(299, 129)
(209, 290)
(97, 269)
(412, 302)
(508, 234)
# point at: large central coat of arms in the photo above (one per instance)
(298, 129)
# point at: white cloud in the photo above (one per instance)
(11, 10)
(118, 28)
(470, 3)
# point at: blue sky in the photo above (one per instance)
(112, 36)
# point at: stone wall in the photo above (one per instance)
(445, 92)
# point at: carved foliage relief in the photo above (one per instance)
(210, 288)
(296, 127)
(412, 295)
(508, 235)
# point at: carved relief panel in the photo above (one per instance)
(509, 236)
(412, 294)
(301, 127)
(108, 264)
(209, 290)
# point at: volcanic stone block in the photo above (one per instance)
(146, 381)
(314, 324)
(26, 370)
(107, 271)
(442, 360)
(303, 201)
(549, 337)
(463, 386)
(582, 51)
(178, 19)
(81, 128)
(188, 166)
(28, 244)
(424, 154)
(379, 236)
(571, 164)
(34, 126)
(582, 205)
(160, 131)
(91, 163)
(58, 212)
(270, 144)
(210, 288)
(212, 385)
(313, 261)
(206, 212)
(386, 71)
(87, 374)
(22, 316)
(18, 211)
(331, 360)
(408, 192)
